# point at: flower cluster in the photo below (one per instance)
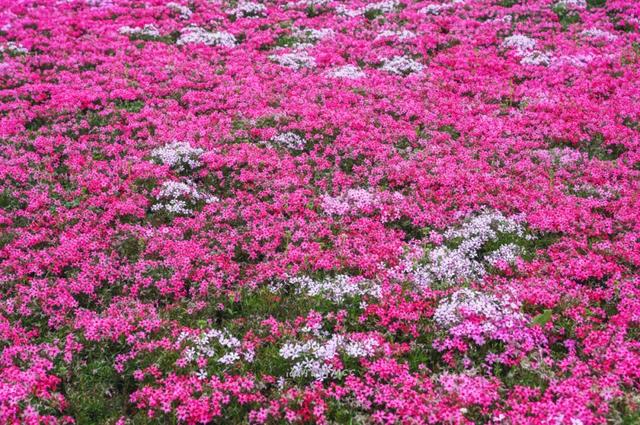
(180, 156)
(336, 289)
(196, 35)
(179, 197)
(480, 317)
(295, 60)
(320, 359)
(401, 65)
(350, 72)
(248, 9)
(184, 11)
(483, 239)
(148, 30)
(288, 140)
(214, 344)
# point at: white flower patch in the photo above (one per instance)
(450, 266)
(596, 192)
(307, 3)
(572, 4)
(149, 30)
(178, 197)
(180, 156)
(525, 48)
(362, 201)
(351, 13)
(536, 58)
(352, 199)
(521, 43)
(385, 6)
(313, 358)
(577, 61)
(597, 33)
(481, 317)
(289, 140)
(312, 34)
(196, 35)
(398, 35)
(485, 227)
(184, 11)
(13, 48)
(99, 3)
(295, 60)
(350, 72)
(508, 253)
(246, 9)
(467, 302)
(336, 289)
(434, 9)
(401, 65)
(215, 344)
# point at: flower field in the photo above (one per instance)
(320, 212)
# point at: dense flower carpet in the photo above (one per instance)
(320, 212)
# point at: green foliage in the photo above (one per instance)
(596, 3)
(8, 202)
(96, 392)
(566, 17)
(508, 3)
(129, 105)
(131, 248)
(372, 14)
(542, 318)
(451, 130)
(596, 148)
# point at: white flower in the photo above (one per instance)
(578, 61)
(229, 358)
(306, 3)
(289, 140)
(196, 35)
(385, 6)
(352, 13)
(201, 374)
(451, 311)
(508, 253)
(248, 9)
(295, 60)
(464, 262)
(13, 47)
(598, 33)
(178, 197)
(434, 9)
(215, 344)
(350, 72)
(536, 58)
(312, 34)
(178, 155)
(520, 42)
(313, 356)
(337, 289)
(572, 4)
(184, 11)
(148, 30)
(401, 65)
(400, 35)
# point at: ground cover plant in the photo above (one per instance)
(320, 212)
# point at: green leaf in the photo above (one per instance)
(542, 318)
